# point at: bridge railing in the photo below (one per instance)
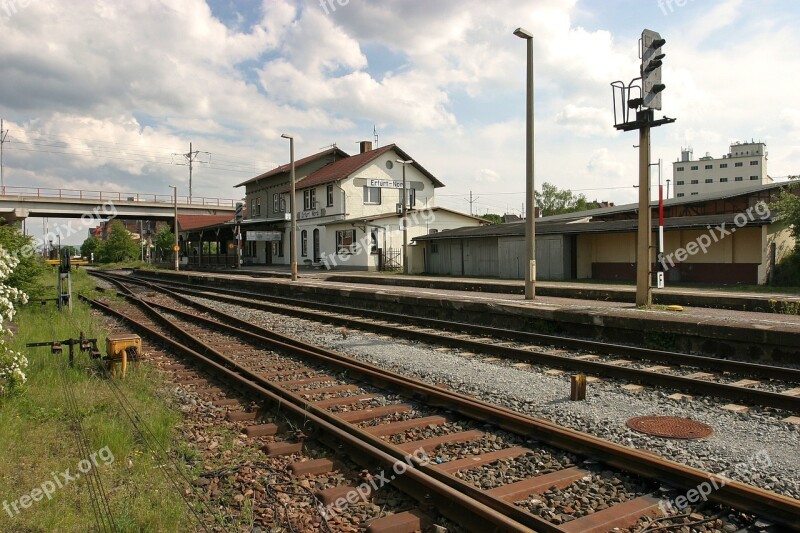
(112, 196)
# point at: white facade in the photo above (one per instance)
(743, 166)
(348, 217)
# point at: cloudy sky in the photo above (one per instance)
(100, 95)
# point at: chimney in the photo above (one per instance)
(366, 146)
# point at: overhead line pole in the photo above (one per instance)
(3, 135)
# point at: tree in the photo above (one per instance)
(120, 245)
(788, 205)
(164, 242)
(91, 246)
(27, 272)
(494, 219)
(553, 201)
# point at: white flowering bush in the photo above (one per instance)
(12, 363)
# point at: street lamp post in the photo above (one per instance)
(530, 199)
(403, 215)
(293, 208)
(175, 248)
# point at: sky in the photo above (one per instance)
(107, 95)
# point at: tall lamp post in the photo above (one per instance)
(293, 208)
(530, 199)
(403, 215)
(175, 248)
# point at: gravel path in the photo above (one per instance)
(756, 447)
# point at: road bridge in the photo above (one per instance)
(19, 203)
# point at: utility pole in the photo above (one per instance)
(403, 215)
(471, 201)
(191, 156)
(3, 135)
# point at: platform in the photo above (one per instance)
(756, 336)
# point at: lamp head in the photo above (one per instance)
(402, 162)
(523, 33)
(287, 136)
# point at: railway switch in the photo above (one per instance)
(119, 349)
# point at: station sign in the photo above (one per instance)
(264, 236)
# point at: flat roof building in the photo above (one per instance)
(743, 166)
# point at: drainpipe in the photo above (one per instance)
(344, 199)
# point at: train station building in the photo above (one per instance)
(348, 210)
(721, 237)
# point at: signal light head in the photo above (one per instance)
(658, 43)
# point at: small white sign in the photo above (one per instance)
(264, 235)
(660, 280)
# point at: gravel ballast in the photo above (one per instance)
(755, 447)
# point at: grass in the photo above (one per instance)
(37, 436)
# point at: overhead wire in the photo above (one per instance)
(98, 498)
(150, 441)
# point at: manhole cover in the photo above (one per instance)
(670, 427)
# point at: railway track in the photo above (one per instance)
(747, 383)
(380, 416)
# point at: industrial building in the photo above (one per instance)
(745, 242)
(743, 166)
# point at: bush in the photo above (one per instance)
(29, 266)
(12, 363)
(787, 273)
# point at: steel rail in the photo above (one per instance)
(682, 383)
(738, 495)
(471, 514)
(636, 352)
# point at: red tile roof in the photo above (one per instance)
(192, 222)
(335, 152)
(345, 167)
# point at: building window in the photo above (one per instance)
(694, 167)
(680, 194)
(738, 178)
(694, 193)
(345, 241)
(329, 193)
(278, 204)
(434, 248)
(679, 182)
(679, 169)
(304, 243)
(753, 178)
(411, 198)
(694, 182)
(277, 248)
(373, 240)
(258, 206)
(738, 164)
(723, 165)
(709, 180)
(753, 163)
(709, 167)
(372, 195)
(723, 180)
(309, 199)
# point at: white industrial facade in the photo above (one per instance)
(745, 165)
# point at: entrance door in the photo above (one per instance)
(316, 245)
(268, 253)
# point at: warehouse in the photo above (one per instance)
(746, 241)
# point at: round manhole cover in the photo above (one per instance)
(670, 427)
